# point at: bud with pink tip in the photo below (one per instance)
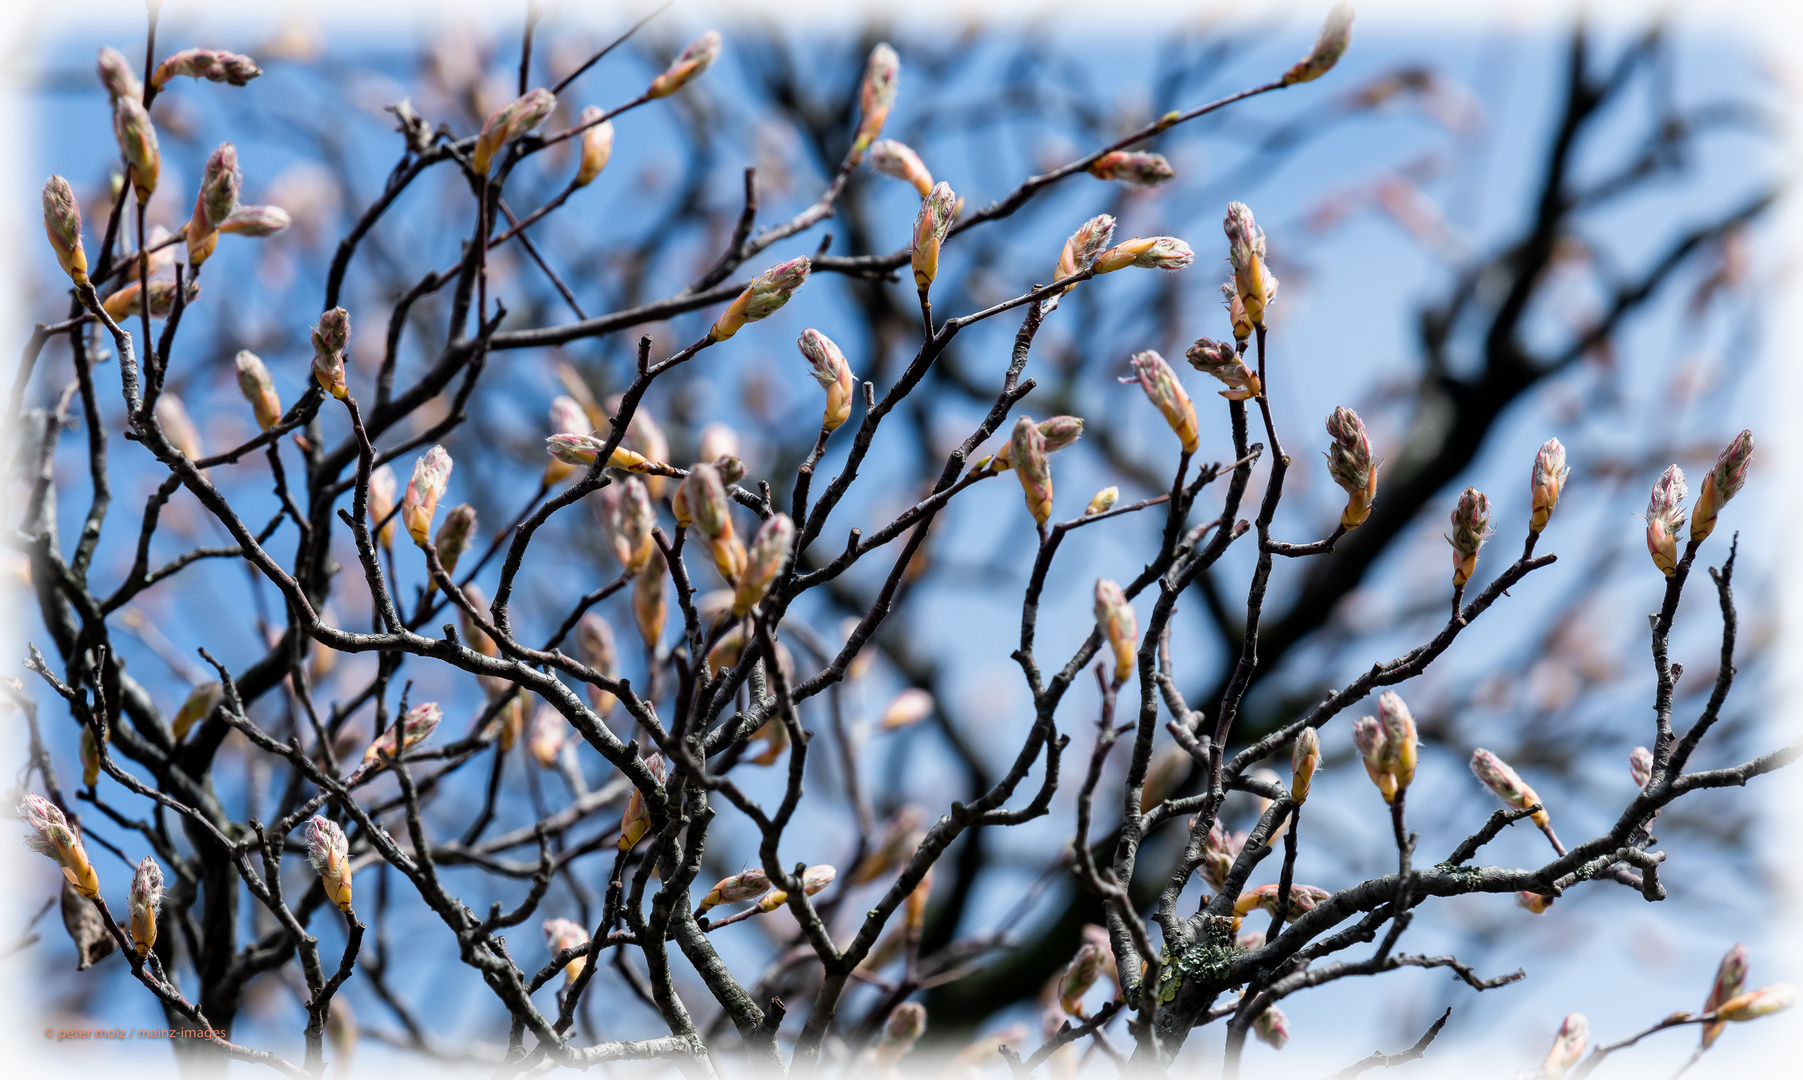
(1730, 981)
(1757, 1003)
(1103, 501)
(742, 886)
(1720, 484)
(258, 389)
(1079, 251)
(137, 139)
(595, 643)
(767, 292)
(1533, 902)
(1272, 1028)
(146, 896)
(508, 123)
(1119, 625)
(1508, 786)
(561, 934)
(1219, 850)
(635, 822)
(1132, 167)
(1640, 765)
(931, 225)
(545, 736)
(330, 338)
(1079, 975)
(214, 65)
(697, 58)
(1399, 737)
(117, 75)
(1550, 472)
(1303, 899)
(1349, 463)
(567, 418)
(1224, 362)
(896, 159)
(329, 852)
(417, 725)
(1246, 251)
(1026, 452)
(631, 520)
(584, 449)
(256, 221)
(1336, 35)
(1665, 519)
(56, 840)
(454, 535)
(213, 203)
(882, 81)
(183, 435)
(1147, 253)
(1470, 528)
(1160, 383)
(418, 506)
(62, 224)
(382, 486)
(1568, 1046)
(1305, 758)
(768, 555)
(127, 301)
(1058, 433)
(827, 364)
(649, 610)
(597, 145)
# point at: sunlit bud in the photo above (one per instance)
(545, 736)
(62, 224)
(1236, 312)
(1081, 974)
(117, 75)
(454, 535)
(199, 704)
(1550, 472)
(1148, 253)
(917, 903)
(173, 417)
(1246, 251)
(896, 159)
(931, 225)
(508, 123)
(1160, 383)
(1336, 34)
(1305, 758)
(767, 292)
(745, 885)
(1119, 626)
(768, 555)
(705, 496)
(1303, 899)
(1470, 528)
(633, 541)
(90, 757)
(55, 839)
(125, 302)
(1665, 519)
(329, 852)
(813, 879)
(138, 143)
(1720, 484)
(635, 822)
(1272, 1028)
(330, 338)
(214, 65)
(1223, 361)
(382, 485)
(827, 364)
(1399, 737)
(1730, 981)
(1027, 453)
(583, 449)
(561, 934)
(1349, 463)
(1757, 1003)
(1640, 765)
(1219, 849)
(1568, 1046)
(1079, 251)
(1132, 167)
(256, 221)
(697, 58)
(901, 1031)
(901, 836)
(648, 608)
(907, 708)
(882, 80)
(258, 389)
(1533, 902)
(644, 437)
(1368, 738)
(595, 643)
(1103, 501)
(145, 897)
(597, 145)
(214, 202)
(1058, 433)
(431, 472)
(417, 725)
(1506, 785)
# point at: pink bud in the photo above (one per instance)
(1349, 463)
(1640, 765)
(697, 58)
(1246, 251)
(768, 555)
(1160, 383)
(62, 224)
(561, 934)
(895, 159)
(1224, 362)
(767, 292)
(117, 75)
(831, 372)
(1132, 167)
(1720, 484)
(330, 338)
(431, 472)
(1026, 451)
(1272, 1028)
(1550, 472)
(1665, 519)
(329, 852)
(882, 81)
(931, 225)
(1470, 528)
(1148, 253)
(1730, 981)
(214, 65)
(1506, 784)
(256, 221)
(137, 139)
(1079, 252)
(508, 123)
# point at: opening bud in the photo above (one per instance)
(214, 65)
(1246, 251)
(931, 225)
(767, 292)
(431, 472)
(1027, 453)
(146, 896)
(330, 338)
(508, 123)
(1757, 1003)
(1470, 528)
(827, 364)
(416, 726)
(329, 852)
(896, 159)
(1223, 361)
(882, 81)
(768, 555)
(1272, 1028)
(54, 838)
(1665, 519)
(1160, 383)
(1720, 484)
(213, 203)
(62, 224)
(1148, 253)
(561, 934)
(1079, 251)
(256, 221)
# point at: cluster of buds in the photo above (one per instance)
(1303, 899)
(1102, 501)
(1550, 472)
(128, 301)
(55, 839)
(597, 145)
(1272, 1028)
(595, 642)
(258, 389)
(1160, 383)
(1219, 849)
(1730, 980)
(1253, 283)
(1349, 463)
(1305, 758)
(649, 610)
(199, 704)
(431, 472)
(329, 852)
(1027, 456)
(331, 337)
(256, 221)
(382, 486)
(508, 123)
(1720, 484)
(827, 364)
(1508, 786)
(1470, 528)
(1224, 362)
(813, 879)
(214, 203)
(416, 726)
(901, 1031)
(742, 886)
(697, 58)
(768, 555)
(1665, 519)
(1119, 626)
(882, 81)
(1090, 239)
(1079, 976)
(767, 292)
(1568, 1046)
(454, 535)
(62, 224)
(899, 160)
(145, 897)
(931, 225)
(1147, 253)
(117, 75)
(1387, 742)
(635, 821)
(1336, 34)
(561, 934)
(214, 65)
(137, 139)
(629, 521)
(1132, 167)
